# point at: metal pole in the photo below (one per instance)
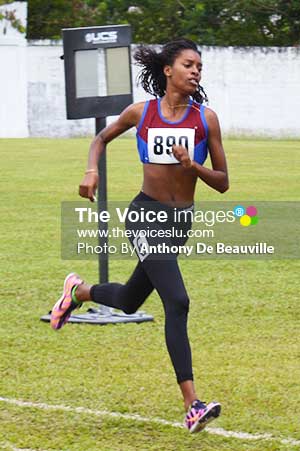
(102, 204)
(100, 123)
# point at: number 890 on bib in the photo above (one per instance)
(161, 140)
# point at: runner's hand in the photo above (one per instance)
(181, 154)
(88, 186)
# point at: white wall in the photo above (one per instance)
(46, 94)
(255, 91)
(13, 90)
(13, 75)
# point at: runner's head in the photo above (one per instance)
(154, 66)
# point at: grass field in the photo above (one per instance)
(244, 319)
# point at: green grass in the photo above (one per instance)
(243, 325)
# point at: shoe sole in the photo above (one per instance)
(61, 320)
(210, 415)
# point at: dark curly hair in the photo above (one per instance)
(152, 77)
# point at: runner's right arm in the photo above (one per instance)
(128, 118)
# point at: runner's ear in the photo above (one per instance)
(168, 71)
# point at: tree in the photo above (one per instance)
(247, 22)
(46, 19)
(207, 22)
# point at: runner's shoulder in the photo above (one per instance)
(133, 113)
(211, 117)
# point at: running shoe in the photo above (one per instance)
(63, 308)
(200, 414)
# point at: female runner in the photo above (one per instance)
(174, 133)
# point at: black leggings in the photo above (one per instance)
(160, 272)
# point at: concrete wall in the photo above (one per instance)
(46, 94)
(255, 91)
(13, 74)
(13, 89)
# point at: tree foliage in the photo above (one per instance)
(46, 19)
(207, 22)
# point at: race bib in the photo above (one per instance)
(161, 140)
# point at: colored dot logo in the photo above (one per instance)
(247, 216)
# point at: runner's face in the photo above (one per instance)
(185, 73)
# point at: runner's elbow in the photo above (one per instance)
(224, 185)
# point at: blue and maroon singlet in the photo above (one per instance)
(156, 135)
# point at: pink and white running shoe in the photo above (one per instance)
(200, 414)
(63, 308)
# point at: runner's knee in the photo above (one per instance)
(130, 309)
(179, 305)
